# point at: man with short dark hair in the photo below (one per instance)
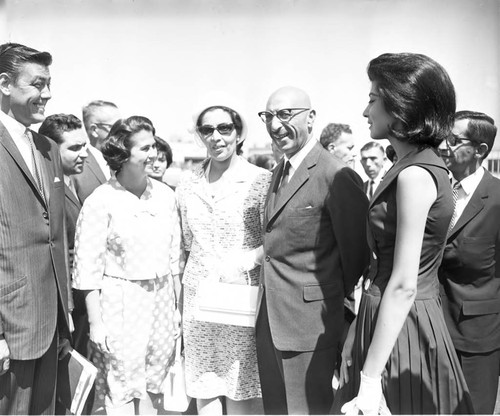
(98, 118)
(315, 249)
(67, 131)
(337, 138)
(469, 272)
(373, 160)
(33, 275)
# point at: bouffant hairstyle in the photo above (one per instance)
(235, 119)
(480, 128)
(417, 91)
(116, 149)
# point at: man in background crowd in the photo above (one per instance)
(33, 274)
(373, 160)
(98, 118)
(470, 272)
(338, 139)
(67, 131)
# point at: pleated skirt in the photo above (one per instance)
(423, 374)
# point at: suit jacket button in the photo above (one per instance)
(267, 258)
(45, 215)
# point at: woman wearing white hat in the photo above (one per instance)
(221, 204)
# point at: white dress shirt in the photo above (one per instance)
(465, 191)
(17, 132)
(298, 157)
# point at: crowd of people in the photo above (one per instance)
(377, 297)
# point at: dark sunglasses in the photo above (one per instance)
(455, 140)
(224, 129)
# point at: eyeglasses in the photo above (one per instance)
(284, 115)
(225, 129)
(104, 126)
(455, 140)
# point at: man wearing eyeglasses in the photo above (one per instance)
(314, 252)
(98, 118)
(469, 274)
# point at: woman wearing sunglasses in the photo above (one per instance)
(221, 204)
(398, 353)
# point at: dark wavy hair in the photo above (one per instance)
(235, 118)
(417, 91)
(56, 124)
(116, 148)
(163, 146)
(14, 55)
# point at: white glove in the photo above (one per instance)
(370, 400)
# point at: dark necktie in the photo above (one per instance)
(284, 180)
(371, 185)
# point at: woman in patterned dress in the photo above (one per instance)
(127, 259)
(221, 204)
(399, 350)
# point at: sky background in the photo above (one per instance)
(157, 58)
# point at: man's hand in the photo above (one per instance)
(4, 357)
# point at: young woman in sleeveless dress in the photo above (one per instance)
(399, 356)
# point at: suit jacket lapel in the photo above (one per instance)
(94, 167)
(72, 197)
(13, 150)
(299, 178)
(475, 204)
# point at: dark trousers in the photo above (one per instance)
(29, 386)
(481, 373)
(293, 382)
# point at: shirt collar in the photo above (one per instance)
(298, 157)
(13, 126)
(470, 183)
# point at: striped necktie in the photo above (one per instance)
(35, 164)
(456, 190)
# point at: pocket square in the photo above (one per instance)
(56, 179)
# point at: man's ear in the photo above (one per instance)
(330, 147)
(5, 81)
(482, 150)
(93, 130)
(311, 117)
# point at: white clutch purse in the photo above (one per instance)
(175, 398)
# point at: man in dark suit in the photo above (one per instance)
(98, 118)
(33, 275)
(373, 160)
(67, 131)
(469, 273)
(314, 252)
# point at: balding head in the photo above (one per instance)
(291, 126)
(290, 97)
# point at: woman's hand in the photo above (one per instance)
(347, 355)
(369, 401)
(98, 335)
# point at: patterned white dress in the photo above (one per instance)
(221, 360)
(129, 248)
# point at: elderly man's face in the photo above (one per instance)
(290, 136)
(29, 93)
(101, 121)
